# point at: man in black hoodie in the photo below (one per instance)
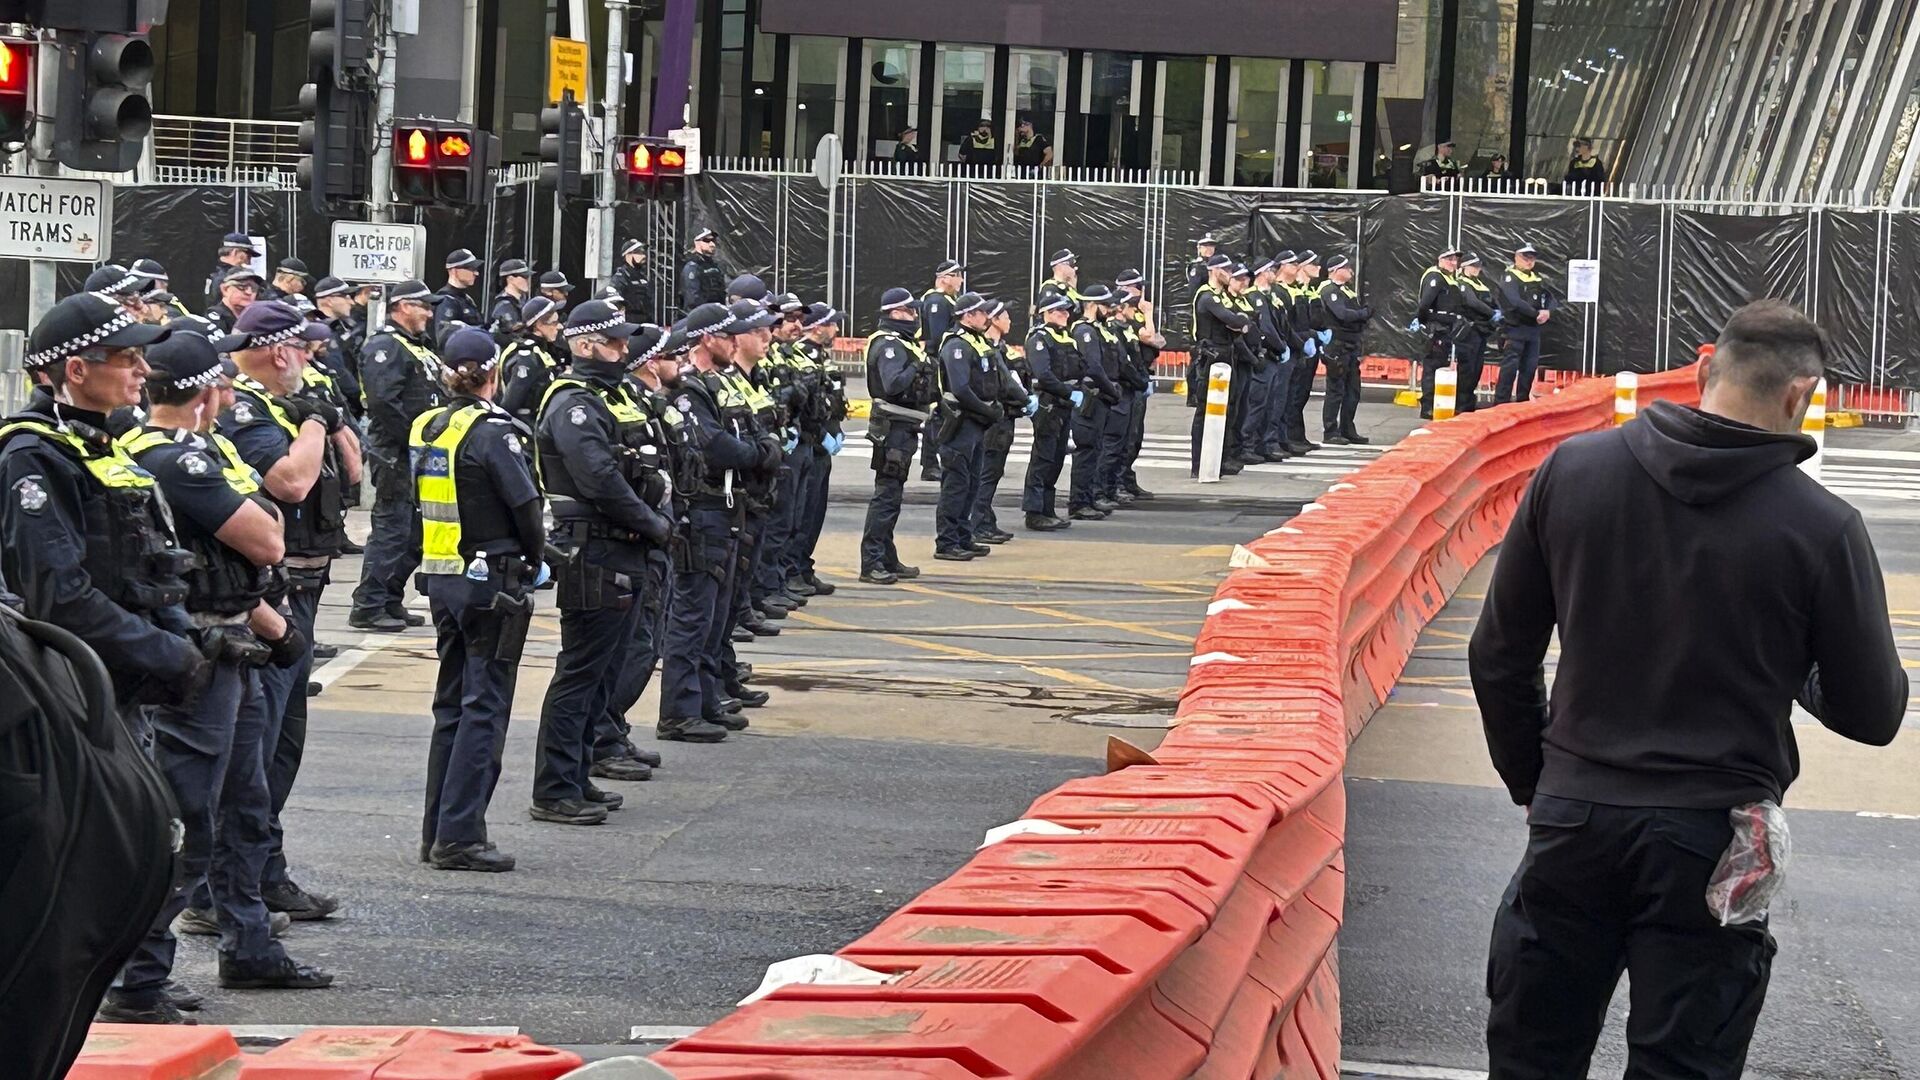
(1701, 584)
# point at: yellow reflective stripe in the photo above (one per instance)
(434, 480)
(255, 390)
(114, 468)
(238, 474)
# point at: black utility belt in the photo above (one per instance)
(580, 530)
(708, 502)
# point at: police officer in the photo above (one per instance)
(401, 373)
(1198, 268)
(936, 321)
(289, 435)
(1218, 324)
(694, 706)
(1475, 327)
(481, 543)
(555, 287)
(608, 486)
(290, 279)
(1094, 437)
(334, 299)
(453, 301)
(1057, 371)
(1286, 271)
(1031, 149)
(1307, 322)
(516, 288)
(1585, 171)
(1246, 363)
(632, 281)
(1437, 311)
(1348, 318)
(1063, 277)
(236, 249)
(970, 393)
(1015, 400)
(535, 358)
(702, 281)
(1442, 167)
(1143, 334)
(1130, 377)
(820, 428)
(980, 148)
(237, 288)
(1270, 373)
(752, 413)
(901, 381)
(210, 749)
(784, 376)
(157, 286)
(1525, 302)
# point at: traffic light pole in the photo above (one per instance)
(46, 74)
(379, 193)
(610, 165)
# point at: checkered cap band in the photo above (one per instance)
(595, 327)
(714, 329)
(276, 337)
(209, 377)
(121, 320)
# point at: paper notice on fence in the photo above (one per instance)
(1583, 281)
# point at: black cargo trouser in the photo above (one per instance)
(1606, 889)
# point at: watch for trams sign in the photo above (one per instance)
(370, 252)
(60, 219)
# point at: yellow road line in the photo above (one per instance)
(1069, 677)
(1054, 613)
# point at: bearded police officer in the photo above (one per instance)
(1526, 302)
(481, 543)
(534, 359)
(1057, 371)
(702, 279)
(210, 750)
(635, 286)
(453, 301)
(608, 487)
(1437, 312)
(1348, 318)
(401, 373)
(900, 379)
(970, 395)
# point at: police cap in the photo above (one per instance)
(1206, 240)
(240, 273)
(1219, 261)
(785, 303)
(184, 360)
(113, 280)
(462, 259)
(1525, 249)
(1129, 278)
(949, 266)
(1470, 260)
(271, 322)
(1096, 293)
(555, 279)
(1063, 256)
(86, 321)
(967, 303)
(647, 343)
(895, 298)
(612, 296)
(630, 247)
(1286, 258)
(1339, 262)
(148, 270)
(515, 268)
(708, 319)
(237, 241)
(598, 317)
(295, 267)
(1240, 270)
(1450, 253)
(409, 290)
(747, 287)
(819, 315)
(538, 308)
(1309, 257)
(677, 342)
(1056, 302)
(748, 316)
(705, 235)
(468, 347)
(331, 286)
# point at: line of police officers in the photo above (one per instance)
(1460, 313)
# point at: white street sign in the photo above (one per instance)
(374, 252)
(63, 220)
(688, 140)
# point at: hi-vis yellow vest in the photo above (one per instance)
(434, 480)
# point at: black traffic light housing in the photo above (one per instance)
(651, 169)
(441, 161)
(563, 130)
(16, 88)
(103, 115)
(338, 36)
(337, 133)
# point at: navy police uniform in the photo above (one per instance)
(1054, 360)
(900, 378)
(970, 392)
(1471, 335)
(702, 279)
(1096, 438)
(401, 373)
(454, 305)
(1348, 319)
(1523, 295)
(1438, 311)
(633, 284)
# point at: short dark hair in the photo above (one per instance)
(161, 391)
(1766, 345)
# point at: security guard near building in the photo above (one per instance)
(516, 288)
(1307, 322)
(632, 281)
(980, 148)
(901, 380)
(481, 542)
(1472, 332)
(608, 487)
(820, 427)
(534, 359)
(210, 749)
(1031, 149)
(1525, 302)
(1057, 374)
(970, 391)
(1585, 171)
(702, 279)
(1436, 314)
(401, 373)
(1217, 326)
(285, 433)
(453, 301)
(936, 321)
(1015, 400)
(693, 700)
(1093, 438)
(1348, 318)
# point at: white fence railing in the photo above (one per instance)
(204, 149)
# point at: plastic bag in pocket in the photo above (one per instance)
(1753, 867)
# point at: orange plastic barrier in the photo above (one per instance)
(138, 1052)
(1187, 928)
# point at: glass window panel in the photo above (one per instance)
(1256, 119)
(816, 64)
(889, 87)
(964, 100)
(1106, 124)
(1588, 60)
(1036, 98)
(1329, 139)
(1183, 114)
(1483, 81)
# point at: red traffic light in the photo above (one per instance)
(640, 160)
(455, 145)
(415, 147)
(672, 160)
(16, 65)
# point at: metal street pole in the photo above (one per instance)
(610, 164)
(378, 203)
(40, 162)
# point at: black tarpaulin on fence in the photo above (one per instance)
(742, 209)
(900, 231)
(1191, 213)
(1104, 226)
(1399, 239)
(803, 268)
(1900, 306)
(1848, 264)
(1630, 288)
(1723, 261)
(1002, 245)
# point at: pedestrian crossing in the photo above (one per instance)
(1872, 474)
(1174, 452)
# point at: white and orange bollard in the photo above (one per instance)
(1626, 397)
(1213, 430)
(1815, 427)
(1446, 383)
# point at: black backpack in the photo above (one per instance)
(87, 836)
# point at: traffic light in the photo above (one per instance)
(337, 133)
(337, 40)
(562, 129)
(440, 161)
(413, 179)
(103, 115)
(16, 82)
(651, 169)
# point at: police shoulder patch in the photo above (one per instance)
(195, 464)
(242, 413)
(683, 403)
(379, 356)
(577, 415)
(513, 444)
(889, 353)
(32, 497)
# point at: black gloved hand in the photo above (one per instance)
(770, 454)
(190, 682)
(290, 649)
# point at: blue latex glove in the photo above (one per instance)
(1498, 317)
(792, 442)
(1413, 327)
(1033, 404)
(1312, 350)
(1286, 356)
(833, 443)
(1078, 397)
(1326, 337)
(1153, 387)
(545, 575)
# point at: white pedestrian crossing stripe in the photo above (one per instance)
(1175, 452)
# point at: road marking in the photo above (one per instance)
(650, 1033)
(366, 648)
(288, 1031)
(1054, 613)
(1069, 677)
(1893, 817)
(1408, 1072)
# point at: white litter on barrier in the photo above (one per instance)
(1229, 604)
(818, 969)
(1027, 827)
(1216, 658)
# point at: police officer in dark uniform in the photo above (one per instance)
(1307, 322)
(1348, 318)
(784, 376)
(970, 391)
(453, 301)
(516, 288)
(1198, 267)
(609, 489)
(1437, 312)
(980, 148)
(820, 428)
(693, 698)
(901, 382)
(936, 321)
(236, 249)
(1091, 439)
(236, 289)
(156, 285)
(1471, 334)
(481, 543)
(1063, 278)
(401, 373)
(334, 299)
(555, 287)
(632, 281)
(210, 750)
(1442, 167)
(285, 432)
(1525, 302)
(702, 280)
(1217, 327)
(1143, 334)
(1586, 172)
(1015, 401)
(1057, 371)
(535, 358)
(290, 279)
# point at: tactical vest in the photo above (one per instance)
(1068, 365)
(129, 557)
(437, 483)
(222, 581)
(1535, 293)
(873, 368)
(986, 384)
(684, 463)
(632, 432)
(315, 526)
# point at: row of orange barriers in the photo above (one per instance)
(138, 1052)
